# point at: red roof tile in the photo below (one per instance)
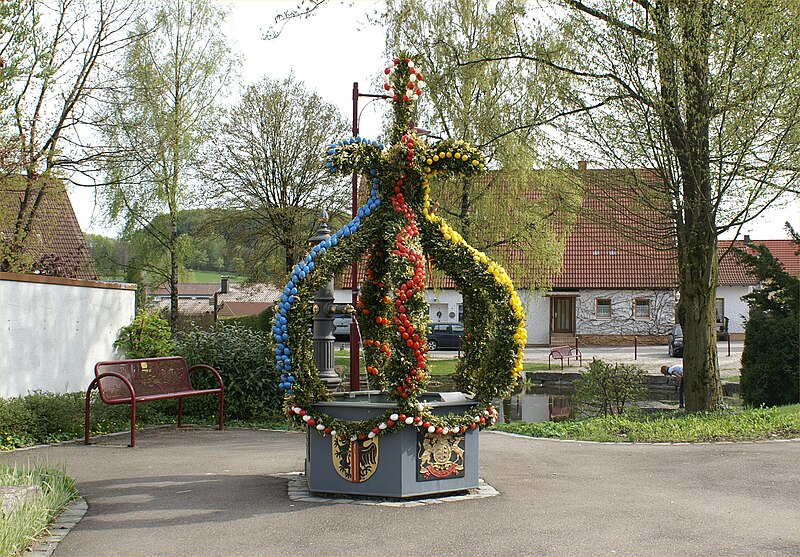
(55, 235)
(240, 309)
(733, 271)
(619, 239)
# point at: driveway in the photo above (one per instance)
(204, 492)
(651, 358)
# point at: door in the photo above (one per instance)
(562, 310)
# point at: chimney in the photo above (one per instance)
(224, 285)
(746, 239)
(582, 165)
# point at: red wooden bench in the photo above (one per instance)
(564, 353)
(136, 381)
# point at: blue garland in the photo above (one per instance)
(283, 354)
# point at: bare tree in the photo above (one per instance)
(268, 164)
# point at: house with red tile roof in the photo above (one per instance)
(619, 275)
(55, 245)
(736, 281)
(207, 303)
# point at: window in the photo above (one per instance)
(458, 328)
(720, 310)
(641, 308)
(602, 308)
(460, 313)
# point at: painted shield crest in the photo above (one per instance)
(440, 457)
(355, 461)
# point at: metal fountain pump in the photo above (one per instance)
(324, 310)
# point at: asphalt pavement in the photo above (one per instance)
(649, 357)
(198, 491)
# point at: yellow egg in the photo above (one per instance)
(449, 155)
(429, 162)
(435, 158)
(464, 158)
(441, 155)
(458, 155)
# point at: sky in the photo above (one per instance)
(329, 51)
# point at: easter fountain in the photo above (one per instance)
(401, 441)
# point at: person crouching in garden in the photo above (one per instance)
(676, 371)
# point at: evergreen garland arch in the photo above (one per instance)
(400, 233)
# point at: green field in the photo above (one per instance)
(207, 277)
(435, 367)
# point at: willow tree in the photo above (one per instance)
(706, 93)
(500, 107)
(161, 113)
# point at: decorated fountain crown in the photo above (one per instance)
(401, 235)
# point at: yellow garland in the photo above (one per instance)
(497, 271)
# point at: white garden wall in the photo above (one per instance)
(54, 330)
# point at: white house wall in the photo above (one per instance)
(736, 310)
(622, 321)
(537, 316)
(53, 334)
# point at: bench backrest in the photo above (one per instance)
(148, 376)
(560, 351)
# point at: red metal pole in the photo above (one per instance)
(355, 376)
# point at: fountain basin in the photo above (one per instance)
(401, 463)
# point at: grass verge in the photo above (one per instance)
(748, 424)
(30, 520)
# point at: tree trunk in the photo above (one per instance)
(173, 274)
(697, 315)
(686, 104)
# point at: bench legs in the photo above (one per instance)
(221, 409)
(86, 419)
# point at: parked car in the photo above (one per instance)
(444, 335)
(676, 342)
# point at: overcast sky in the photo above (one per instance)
(329, 51)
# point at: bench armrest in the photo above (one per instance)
(212, 370)
(96, 383)
(574, 352)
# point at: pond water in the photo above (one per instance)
(554, 403)
(552, 400)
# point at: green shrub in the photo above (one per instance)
(147, 337)
(243, 357)
(771, 360)
(15, 419)
(261, 322)
(607, 389)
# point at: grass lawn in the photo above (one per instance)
(435, 367)
(740, 424)
(207, 277)
(29, 521)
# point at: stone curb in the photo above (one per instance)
(297, 489)
(61, 526)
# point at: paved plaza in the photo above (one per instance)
(199, 491)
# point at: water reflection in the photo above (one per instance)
(536, 405)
